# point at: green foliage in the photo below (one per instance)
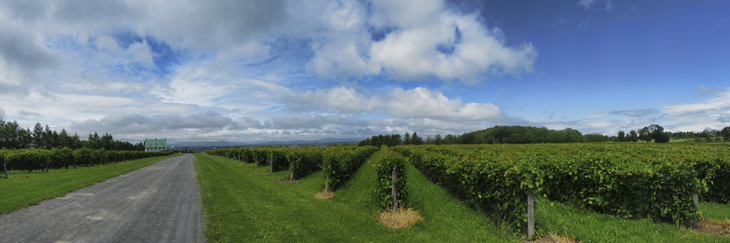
(384, 163)
(304, 161)
(339, 163)
(40, 159)
(628, 180)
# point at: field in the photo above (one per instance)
(23, 189)
(244, 202)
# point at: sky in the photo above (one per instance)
(255, 71)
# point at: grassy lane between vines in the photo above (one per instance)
(243, 203)
(23, 189)
(581, 225)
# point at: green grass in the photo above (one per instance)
(552, 217)
(715, 211)
(23, 189)
(244, 204)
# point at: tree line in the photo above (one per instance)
(527, 134)
(12, 136)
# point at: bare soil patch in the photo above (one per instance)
(402, 218)
(714, 228)
(325, 195)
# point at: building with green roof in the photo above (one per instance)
(155, 145)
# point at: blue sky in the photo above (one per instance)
(288, 70)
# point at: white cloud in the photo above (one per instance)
(2, 113)
(585, 3)
(422, 103)
(716, 104)
(406, 14)
(339, 99)
(414, 103)
(141, 52)
(468, 49)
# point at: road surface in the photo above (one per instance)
(159, 203)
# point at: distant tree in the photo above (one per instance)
(407, 139)
(416, 140)
(437, 139)
(25, 138)
(645, 134)
(621, 136)
(726, 133)
(633, 136)
(75, 142)
(48, 141)
(365, 142)
(38, 136)
(63, 139)
(658, 134)
(450, 139)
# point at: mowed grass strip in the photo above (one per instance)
(581, 225)
(243, 204)
(23, 189)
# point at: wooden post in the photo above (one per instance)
(327, 182)
(530, 216)
(696, 200)
(5, 168)
(255, 161)
(271, 163)
(291, 174)
(393, 189)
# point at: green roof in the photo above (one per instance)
(152, 143)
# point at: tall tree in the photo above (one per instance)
(633, 136)
(437, 139)
(644, 134)
(725, 133)
(407, 139)
(621, 136)
(416, 140)
(657, 133)
(63, 139)
(37, 141)
(47, 138)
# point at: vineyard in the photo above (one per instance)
(661, 182)
(40, 159)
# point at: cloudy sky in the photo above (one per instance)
(249, 71)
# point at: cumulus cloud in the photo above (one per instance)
(415, 103)
(420, 102)
(421, 39)
(2, 112)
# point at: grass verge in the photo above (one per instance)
(23, 189)
(581, 225)
(241, 205)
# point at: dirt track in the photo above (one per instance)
(159, 203)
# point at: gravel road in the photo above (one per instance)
(159, 203)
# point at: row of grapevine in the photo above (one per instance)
(40, 159)
(391, 172)
(633, 181)
(338, 162)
